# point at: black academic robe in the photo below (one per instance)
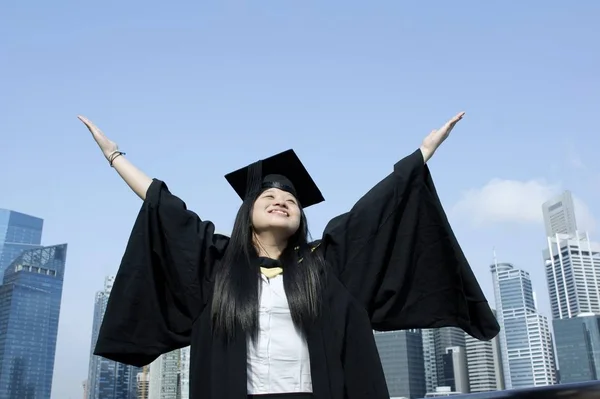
(393, 263)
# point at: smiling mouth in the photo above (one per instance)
(279, 212)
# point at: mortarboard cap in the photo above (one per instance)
(283, 171)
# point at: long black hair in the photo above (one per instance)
(236, 291)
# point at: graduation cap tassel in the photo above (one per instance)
(254, 180)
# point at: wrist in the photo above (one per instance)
(426, 153)
(114, 156)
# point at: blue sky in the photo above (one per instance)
(193, 90)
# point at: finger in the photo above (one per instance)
(452, 122)
(456, 118)
(90, 125)
(85, 121)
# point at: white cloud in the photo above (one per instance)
(505, 201)
(513, 201)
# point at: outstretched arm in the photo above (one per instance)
(137, 180)
(397, 255)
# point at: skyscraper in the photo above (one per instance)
(578, 347)
(573, 275)
(143, 383)
(454, 365)
(18, 232)
(429, 359)
(184, 372)
(447, 337)
(107, 378)
(527, 355)
(30, 298)
(484, 362)
(572, 265)
(559, 215)
(435, 343)
(401, 355)
(165, 376)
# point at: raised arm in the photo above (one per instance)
(165, 276)
(137, 180)
(397, 255)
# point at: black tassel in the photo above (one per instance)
(253, 179)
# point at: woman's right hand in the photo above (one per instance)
(135, 178)
(108, 147)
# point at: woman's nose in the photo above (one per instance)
(280, 202)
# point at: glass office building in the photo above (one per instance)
(30, 298)
(18, 232)
(107, 378)
(401, 354)
(578, 348)
(525, 339)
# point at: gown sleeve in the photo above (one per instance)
(397, 255)
(160, 287)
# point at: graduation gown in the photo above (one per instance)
(393, 263)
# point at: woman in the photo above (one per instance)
(268, 313)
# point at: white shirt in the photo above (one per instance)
(279, 360)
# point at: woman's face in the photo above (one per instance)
(276, 209)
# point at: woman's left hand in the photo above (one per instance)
(437, 137)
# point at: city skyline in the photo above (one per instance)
(193, 92)
(33, 234)
(39, 222)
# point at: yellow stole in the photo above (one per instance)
(270, 272)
